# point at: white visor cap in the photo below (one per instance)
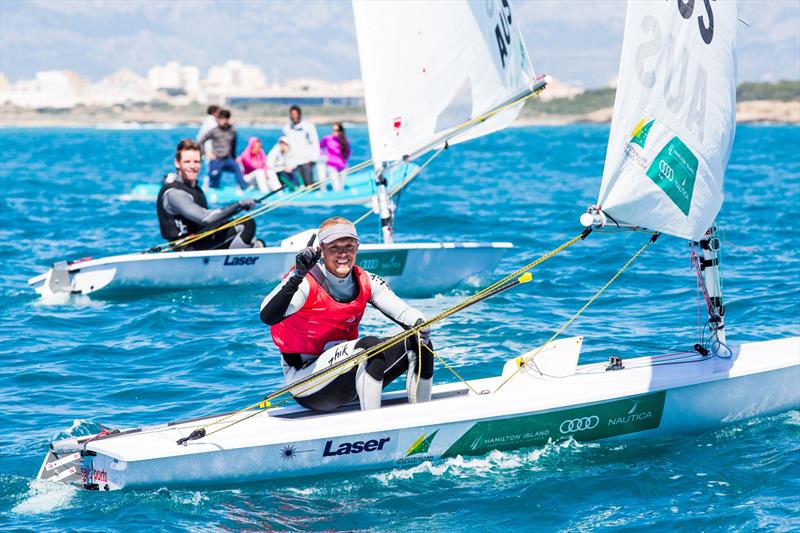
(337, 231)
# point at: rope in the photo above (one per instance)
(462, 126)
(336, 370)
(452, 370)
(529, 360)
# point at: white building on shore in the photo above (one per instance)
(234, 78)
(176, 80)
(559, 89)
(121, 87)
(232, 83)
(57, 89)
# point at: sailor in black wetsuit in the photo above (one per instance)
(183, 210)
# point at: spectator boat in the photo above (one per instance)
(359, 189)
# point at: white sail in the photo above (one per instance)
(674, 116)
(429, 66)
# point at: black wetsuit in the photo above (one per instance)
(183, 210)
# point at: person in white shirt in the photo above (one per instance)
(303, 139)
(208, 124)
(279, 164)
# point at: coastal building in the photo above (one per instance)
(559, 89)
(121, 87)
(176, 80)
(308, 92)
(233, 83)
(50, 89)
(232, 79)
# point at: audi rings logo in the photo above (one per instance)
(666, 170)
(579, 424)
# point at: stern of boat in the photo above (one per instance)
(69, 462)
(68, 278)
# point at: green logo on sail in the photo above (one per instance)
(421, 445)
(674, 170)
(639, 133)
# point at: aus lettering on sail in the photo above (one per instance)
(503, 39)
(679, 57)
(674, 117)
(502, 30)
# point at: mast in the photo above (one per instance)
(385, 207)
(709, 265)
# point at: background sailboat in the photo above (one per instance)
(435, 74)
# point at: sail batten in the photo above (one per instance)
(430, 68)
(674, 117)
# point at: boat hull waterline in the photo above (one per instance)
(412, 269)
(650, 397)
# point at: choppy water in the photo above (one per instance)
(121, 362)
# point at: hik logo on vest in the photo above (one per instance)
(238, 261)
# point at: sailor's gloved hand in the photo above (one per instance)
(424, 334)
(305, 260)
(247, 203)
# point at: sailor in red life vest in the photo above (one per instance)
(314, 315)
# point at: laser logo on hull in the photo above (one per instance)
(359, 446)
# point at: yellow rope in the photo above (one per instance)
(465, 125)
(528, 360)
(335, 371)
(452, 370)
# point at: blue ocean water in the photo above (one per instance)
(68, 368)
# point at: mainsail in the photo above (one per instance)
(674, 116)
(431, 66)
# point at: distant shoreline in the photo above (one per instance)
(748, 112)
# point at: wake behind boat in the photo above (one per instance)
(358, 189)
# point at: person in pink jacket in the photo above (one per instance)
(253, 161)
(336, 148)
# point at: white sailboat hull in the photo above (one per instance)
(412, 269)
(650, 397)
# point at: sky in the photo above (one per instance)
(576, 41)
